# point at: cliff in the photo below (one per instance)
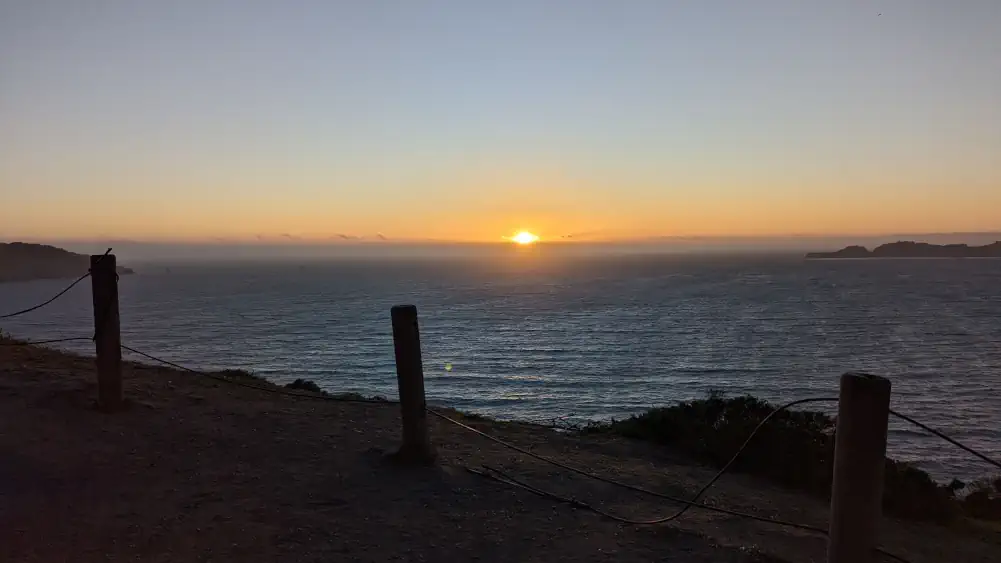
(21, 261)
(910, 249)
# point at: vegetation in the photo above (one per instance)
(356, 397)
(983, 499)
(239, 374)
(312, 387)
(297, 385)
(8, 338)
(795, 449)
(304, 385)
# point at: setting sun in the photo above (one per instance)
(524, 237)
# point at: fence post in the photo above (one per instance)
(416, 446)
(859, 461)
(107, 334)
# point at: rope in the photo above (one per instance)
(687, 503)
(275, 390)
(952, 441)
(56, 296)
(12, 342)
(580, 504)
(506, 478)
(509, 480)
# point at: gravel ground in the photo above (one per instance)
(198, 470)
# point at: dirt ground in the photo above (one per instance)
(200, 470)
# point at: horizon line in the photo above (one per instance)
(380, 240)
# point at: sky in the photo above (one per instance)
(317, 121)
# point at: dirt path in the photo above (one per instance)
(198, 470)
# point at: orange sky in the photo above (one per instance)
(147, 121)
(501, 214)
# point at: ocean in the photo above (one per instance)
(534, 336)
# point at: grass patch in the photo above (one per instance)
(795, 449)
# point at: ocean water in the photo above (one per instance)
(534, 336)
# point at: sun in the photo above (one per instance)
(525, 237)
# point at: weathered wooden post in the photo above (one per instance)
(107, 333)
(859, 461)
(416, 446)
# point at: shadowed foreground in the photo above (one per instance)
(200, 470)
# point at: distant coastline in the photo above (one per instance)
(911, 249)
(20, 261)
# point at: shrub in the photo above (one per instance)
(983, 499)
(312, 387)
(909, 492)
(304, 385)
(795, 449)
(238, 374)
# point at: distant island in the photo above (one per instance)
(20, 261)
(911, 249)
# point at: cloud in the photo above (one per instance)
(380, 236)
(581, 235)
(343, 236)
(289, 236)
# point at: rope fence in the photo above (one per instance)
(268, 389)
(693, 502)
(942, 435)
(17, 342)
(58, 295)
(860, 449)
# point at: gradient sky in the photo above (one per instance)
(467, 120)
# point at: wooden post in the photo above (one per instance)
(107, 333)
(859, 461)
(416, 446)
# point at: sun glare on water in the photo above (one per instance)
(524, 237)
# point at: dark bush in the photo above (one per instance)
(304, 385)
(238, 374)
(356, 397)
(795, 449)
(909, 492)
(307, 385)
(984, 499)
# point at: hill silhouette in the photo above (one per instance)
(911, 249)
(20, 261)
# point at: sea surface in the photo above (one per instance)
(532, 336)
